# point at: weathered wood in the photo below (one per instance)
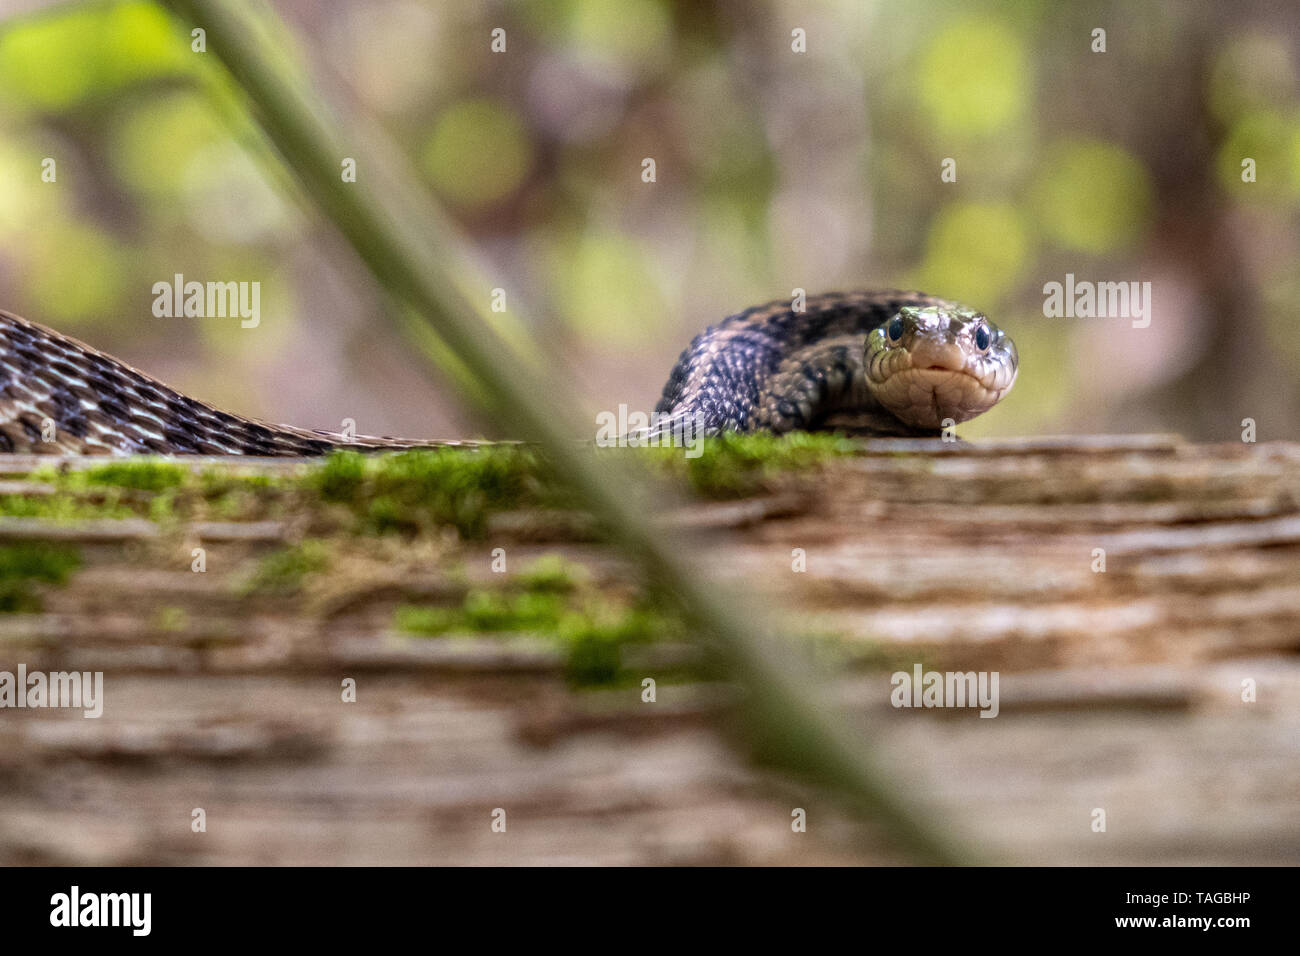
(1119, 690)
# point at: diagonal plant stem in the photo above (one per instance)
(419, 256)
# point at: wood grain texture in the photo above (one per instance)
(1119, 690)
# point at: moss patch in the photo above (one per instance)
(736, 466)
(64, 508)
(282, 573)
(552, 600)
(411, 492)
(22, 566)
(414, 490)
(552, 573)
(141, 475)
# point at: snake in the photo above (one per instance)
(881, 362)
(884, 362)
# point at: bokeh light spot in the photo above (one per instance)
(974, 252)
(76, 272)
(478, 153)
(1272, 140)
(1092, 196)
(974, 79)
(609, 292)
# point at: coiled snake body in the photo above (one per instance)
(892, 362)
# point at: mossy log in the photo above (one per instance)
(1138, 596)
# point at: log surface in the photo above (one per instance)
(1120, 690)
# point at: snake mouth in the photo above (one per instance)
(930, 396)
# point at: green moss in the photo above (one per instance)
(142, 475)
(594, 639)
(23, 565)
(408, 492)
(162, 491)
(552, 573)
(485, 610)
(125, 489)
(425, 621)
(493, 611)
(214, 483)
(735, 466)
(229, 496)
(341, 477)
(553, 601)
(62, 507)
(233, 506)
(595, 656)
(46, 473)
(413, 490)
(165, 506)
(282, 573)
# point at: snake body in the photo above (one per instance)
(895, 362)
(881, 362)
(60, 396)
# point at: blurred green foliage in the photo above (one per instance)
(71, 58)
(977, 249)
(478, 152)
(775, 170)
(1092, 197)
(975, 79)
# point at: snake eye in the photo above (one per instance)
(983, 337)
(895, 328)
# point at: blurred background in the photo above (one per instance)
(775, 169)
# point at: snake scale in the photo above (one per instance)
(892, 362)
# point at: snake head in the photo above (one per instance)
(931, 363)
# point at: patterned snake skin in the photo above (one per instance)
(60, 396)
(894, 362)
(879, 362)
